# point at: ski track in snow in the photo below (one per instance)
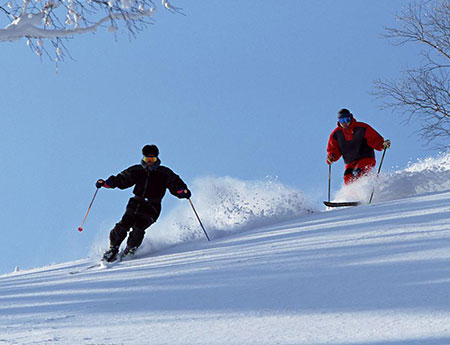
(372, 275)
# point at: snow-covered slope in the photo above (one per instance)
(374, 274)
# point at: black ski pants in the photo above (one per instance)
(138, 223)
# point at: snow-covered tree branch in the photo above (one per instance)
(56, 20)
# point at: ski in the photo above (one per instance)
(341, 204)
(86, 268)
(101, 264)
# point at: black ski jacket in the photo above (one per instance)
(150, 184)
(355, 143)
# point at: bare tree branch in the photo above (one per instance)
(423, 92)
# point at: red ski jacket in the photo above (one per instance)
(354, 143)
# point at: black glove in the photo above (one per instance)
(184, 193)
(102, 183)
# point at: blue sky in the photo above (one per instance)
(244, 89)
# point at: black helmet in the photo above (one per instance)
(344, 113)
(150, 150)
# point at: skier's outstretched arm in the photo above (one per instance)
(123, 180)
(333, 152)
(176, 186)
(374, 139)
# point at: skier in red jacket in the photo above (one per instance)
(355, 142)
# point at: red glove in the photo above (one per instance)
(330, 158)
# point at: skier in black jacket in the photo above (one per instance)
(150, 180)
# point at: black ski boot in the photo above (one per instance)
(111, 254)
(129, 252)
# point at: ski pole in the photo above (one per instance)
(196, 214)
(378, 173)
(329, 181)
(89, 208)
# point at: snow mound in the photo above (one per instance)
(428, 175)
(226, 205)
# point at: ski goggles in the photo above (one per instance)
(345, 120)
(150, 159)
